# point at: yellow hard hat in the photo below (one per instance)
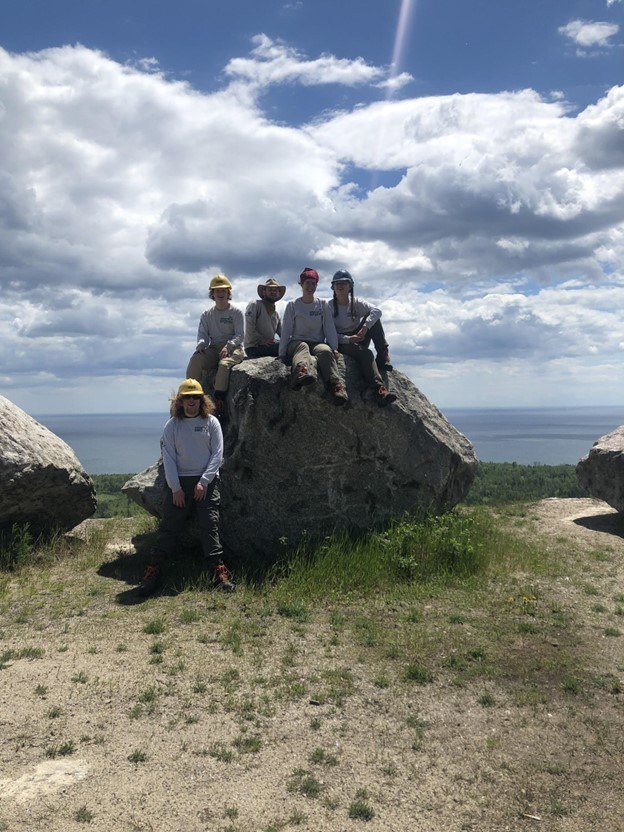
(190, 387)
(220, 281)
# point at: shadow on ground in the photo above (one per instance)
(611, 523)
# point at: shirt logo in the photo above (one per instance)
(315, 313)
(226, 319)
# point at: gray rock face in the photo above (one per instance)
(295, 463)
(601, 471)
(41, 480)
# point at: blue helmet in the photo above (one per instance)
(342, 276)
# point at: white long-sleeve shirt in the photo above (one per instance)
(191, 448)
(363, 314)
(308, 322)
(225, 326)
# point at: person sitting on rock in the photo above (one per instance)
(308, 331)
(354, 319)
(366, 322)
(219, 340)
(192, 450)
(262, 321)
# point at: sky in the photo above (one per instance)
(464, 161)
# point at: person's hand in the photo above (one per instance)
(178, 498)
(268, 343)
(200, 348)
(200, 491)
(353, 339)
(336, 354)
(224, 353)
(359, 336)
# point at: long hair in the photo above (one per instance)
(335, 302)
(206, 406)
(211, 294)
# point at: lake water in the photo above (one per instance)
(127, 443)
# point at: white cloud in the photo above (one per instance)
(274, 62)
(501, 239)
(588, 34)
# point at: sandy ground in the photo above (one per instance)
(236, 718)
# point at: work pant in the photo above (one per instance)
(263, 351)
(377, 335)
(366, 363)
(209, 359)
(301, 353)
(174, 519)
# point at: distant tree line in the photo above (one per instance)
(509, 482)
(495, 483)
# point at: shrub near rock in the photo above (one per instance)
(42, 483)
(295, 465)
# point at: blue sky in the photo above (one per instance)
(464, 160)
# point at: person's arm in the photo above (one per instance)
(203, 334)
(278, 331)
(252, 336)
(239, 330)
(170, 460)
(287, 328)
(367, 313)
(216, 451)
(329, 327)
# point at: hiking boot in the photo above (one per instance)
(383, 361)
(384, 397)
(339, 394)
(150, 583)
(302, 377)
(223, 578)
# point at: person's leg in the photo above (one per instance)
(370, 371)
(171, 525)
(328, 368)
(208, 520)
(366, 363)
(222, 381)
(377, 335)
(202, 362)
(299, 354)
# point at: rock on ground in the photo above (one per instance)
(42, 483)
(601, 471)
(296, 464)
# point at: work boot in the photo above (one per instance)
(383, 360)
(302, 377)
(384, 397)
(339, 394)
(223, 578)
(150, 583)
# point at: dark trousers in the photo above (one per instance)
(263, 351)
(174, 519)
(377, 335)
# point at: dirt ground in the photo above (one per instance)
(196, 711)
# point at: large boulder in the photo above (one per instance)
(297, 465)
(601, 471)
(42, 483)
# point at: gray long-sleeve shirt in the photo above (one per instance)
(363, 314)
(191, 448)
(221, 327)
(308, 322)
(261, 324)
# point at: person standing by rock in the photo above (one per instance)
(219, 340)
(355, 319)
(308, 331)
(262, 321)
(373, 331)
(192, 451)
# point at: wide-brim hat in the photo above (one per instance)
(271, 283)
